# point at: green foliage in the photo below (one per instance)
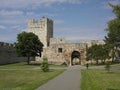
(64, 64)
(116, 9)
(45, 65)
(75, 61)
(97, 52)
(28, 45)
(113, 32)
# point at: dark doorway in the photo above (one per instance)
(75, 58)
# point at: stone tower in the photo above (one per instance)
(43, 29)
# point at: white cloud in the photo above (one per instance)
(77, 34)
(20, 17)
(14, 21)
(17, 4)
(10, 13)
(81, 38)
(12, 17)
(2, 27)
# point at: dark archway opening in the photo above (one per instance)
(75, 58)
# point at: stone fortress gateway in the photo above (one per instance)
(58, 51)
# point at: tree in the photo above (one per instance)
(97, 52)
(28, 45)
(113, 36)
(89, 53)
(93, 53)
(105, 52)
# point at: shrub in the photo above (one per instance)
(64, 64)
(44, 65)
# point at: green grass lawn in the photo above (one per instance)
(24, 79)
(21, 65)
(101, 79)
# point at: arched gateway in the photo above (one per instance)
(69, 53)
(75, 58)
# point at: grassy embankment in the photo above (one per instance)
(24, 77)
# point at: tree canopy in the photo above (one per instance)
(116, 9)
(28, 45)
(113, 32)
(97, 52)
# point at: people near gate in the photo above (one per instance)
(87, 65)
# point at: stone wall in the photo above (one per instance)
(43, 29)
(60, 51)
(8, 54)
(57, 50)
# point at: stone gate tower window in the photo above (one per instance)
(60, 50)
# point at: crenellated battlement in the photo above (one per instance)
(4, 44)
(42, 28)
(32, 23)
(8, 54)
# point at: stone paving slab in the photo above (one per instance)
(69, 80)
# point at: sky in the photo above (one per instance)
(74, 20)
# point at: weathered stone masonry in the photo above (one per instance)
(8, 54)
(58, 50)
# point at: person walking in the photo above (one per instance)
(87, 65)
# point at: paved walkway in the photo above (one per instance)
(69, 80)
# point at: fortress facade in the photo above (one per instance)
(58, 50)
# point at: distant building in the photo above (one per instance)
(58, 51)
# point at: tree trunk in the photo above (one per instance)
(91, 62)
(113, 55)
(97, 62)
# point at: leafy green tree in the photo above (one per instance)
(44, 65)
(28, 45)
(93, 53)
(97, 52)
(89, 53)
(113, 32)
(104, 52)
